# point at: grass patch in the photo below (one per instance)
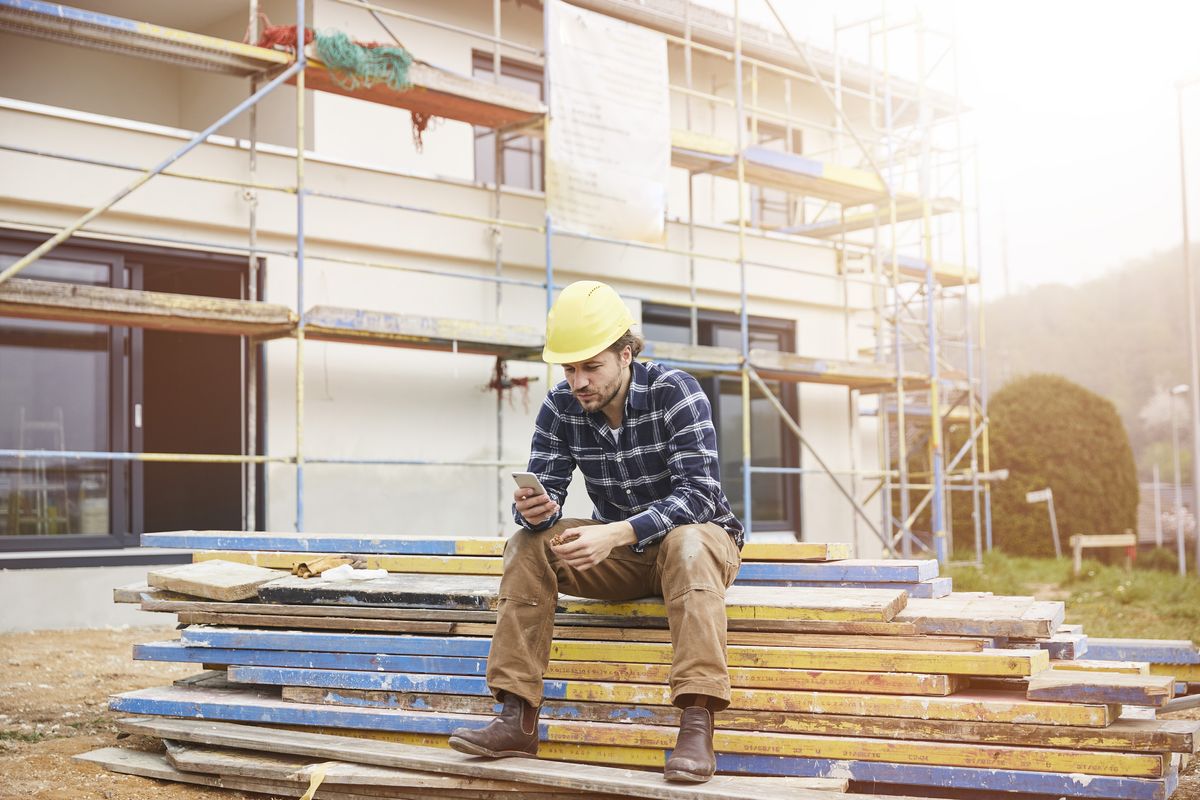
(1109, 601)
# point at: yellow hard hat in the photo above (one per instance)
(586, 318)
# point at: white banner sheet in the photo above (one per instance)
(609, 139)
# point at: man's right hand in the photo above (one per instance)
(535, 508)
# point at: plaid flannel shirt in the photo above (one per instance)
(663, 471)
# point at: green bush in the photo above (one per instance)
(1050, 432)
(1160, 558)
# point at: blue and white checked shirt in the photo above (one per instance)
(662, 473)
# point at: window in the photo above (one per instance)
(776, 497)
(521, 163)
(774, 208)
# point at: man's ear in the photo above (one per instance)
(626, 356)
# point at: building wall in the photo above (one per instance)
(395, 403)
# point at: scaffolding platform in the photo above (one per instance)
(790, 172)
(102, 305)
(334, 324)
(908, 208)
(434, 91)
(945, 274)
(79, 27)
(439, 93)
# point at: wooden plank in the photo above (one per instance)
(585, 777)
(155, 765)
(259, 707)
(381, 780)
(359, 544)
(857, 641)
(338, 774)
(157, 600)
(752, 677)
(1103, 687)
(1019, 618)
(788, 691)
(391, 749)
(1125, 734)
(213, 580)
(1092, 665)
(1090, 540)
(932, 588)
(1189, 673)
(1159, 651)
(330, 323)
(648, 689)
(985, 662)
(438, 93)
(482, 592)
(72, 302)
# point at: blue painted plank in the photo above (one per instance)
(173, 651)
(259, 707)
(999, 780)
(72, 14)
(933, 588)
(855, 570)
(316, 543)
(1157, 651)
(377, 681)
(787, 162)
(317, 641)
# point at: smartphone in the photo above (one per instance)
(527, 480)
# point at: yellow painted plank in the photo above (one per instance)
(1142, 765)
(1085, 665)
(596, 681)
(494, 546)
(702, 143)
(766, 603)
(860, 178)
(986, 662)
(439, 565)
(1181, 672)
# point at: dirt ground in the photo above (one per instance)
(53, 705)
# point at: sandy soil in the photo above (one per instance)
(53, 705)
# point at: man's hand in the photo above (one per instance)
(535, 508)
(593, 544)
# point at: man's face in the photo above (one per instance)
(597, 381)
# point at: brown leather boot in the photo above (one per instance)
(692, 760)
(513, 733)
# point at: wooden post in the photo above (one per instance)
(1077, 546)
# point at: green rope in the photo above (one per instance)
(354, 66)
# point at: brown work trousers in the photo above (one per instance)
(690, 568)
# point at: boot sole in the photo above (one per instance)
(472, 749)
(677, 776)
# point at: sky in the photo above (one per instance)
(1074, 108)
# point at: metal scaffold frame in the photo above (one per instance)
(908, 294)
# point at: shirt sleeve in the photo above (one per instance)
(692, 460)
(551, 460)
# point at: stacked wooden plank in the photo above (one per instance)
(837, 672)
(1179, 658)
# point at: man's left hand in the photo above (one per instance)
(594, 544)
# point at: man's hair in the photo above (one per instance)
(630, 338)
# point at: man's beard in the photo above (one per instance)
(606, 393)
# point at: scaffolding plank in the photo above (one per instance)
(233, 618)
(254, 706)
(330, 323)
(1101, 687)
(214, 580)
(649, 688)
(389, 544)
(819, 681)
(388, 750)
(986, 662)
(439, 93)
(945, 274)
(1160, 651)
(69, 302)
(908, 208)
(1145, 735)
(80, 27)
(452, 591)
